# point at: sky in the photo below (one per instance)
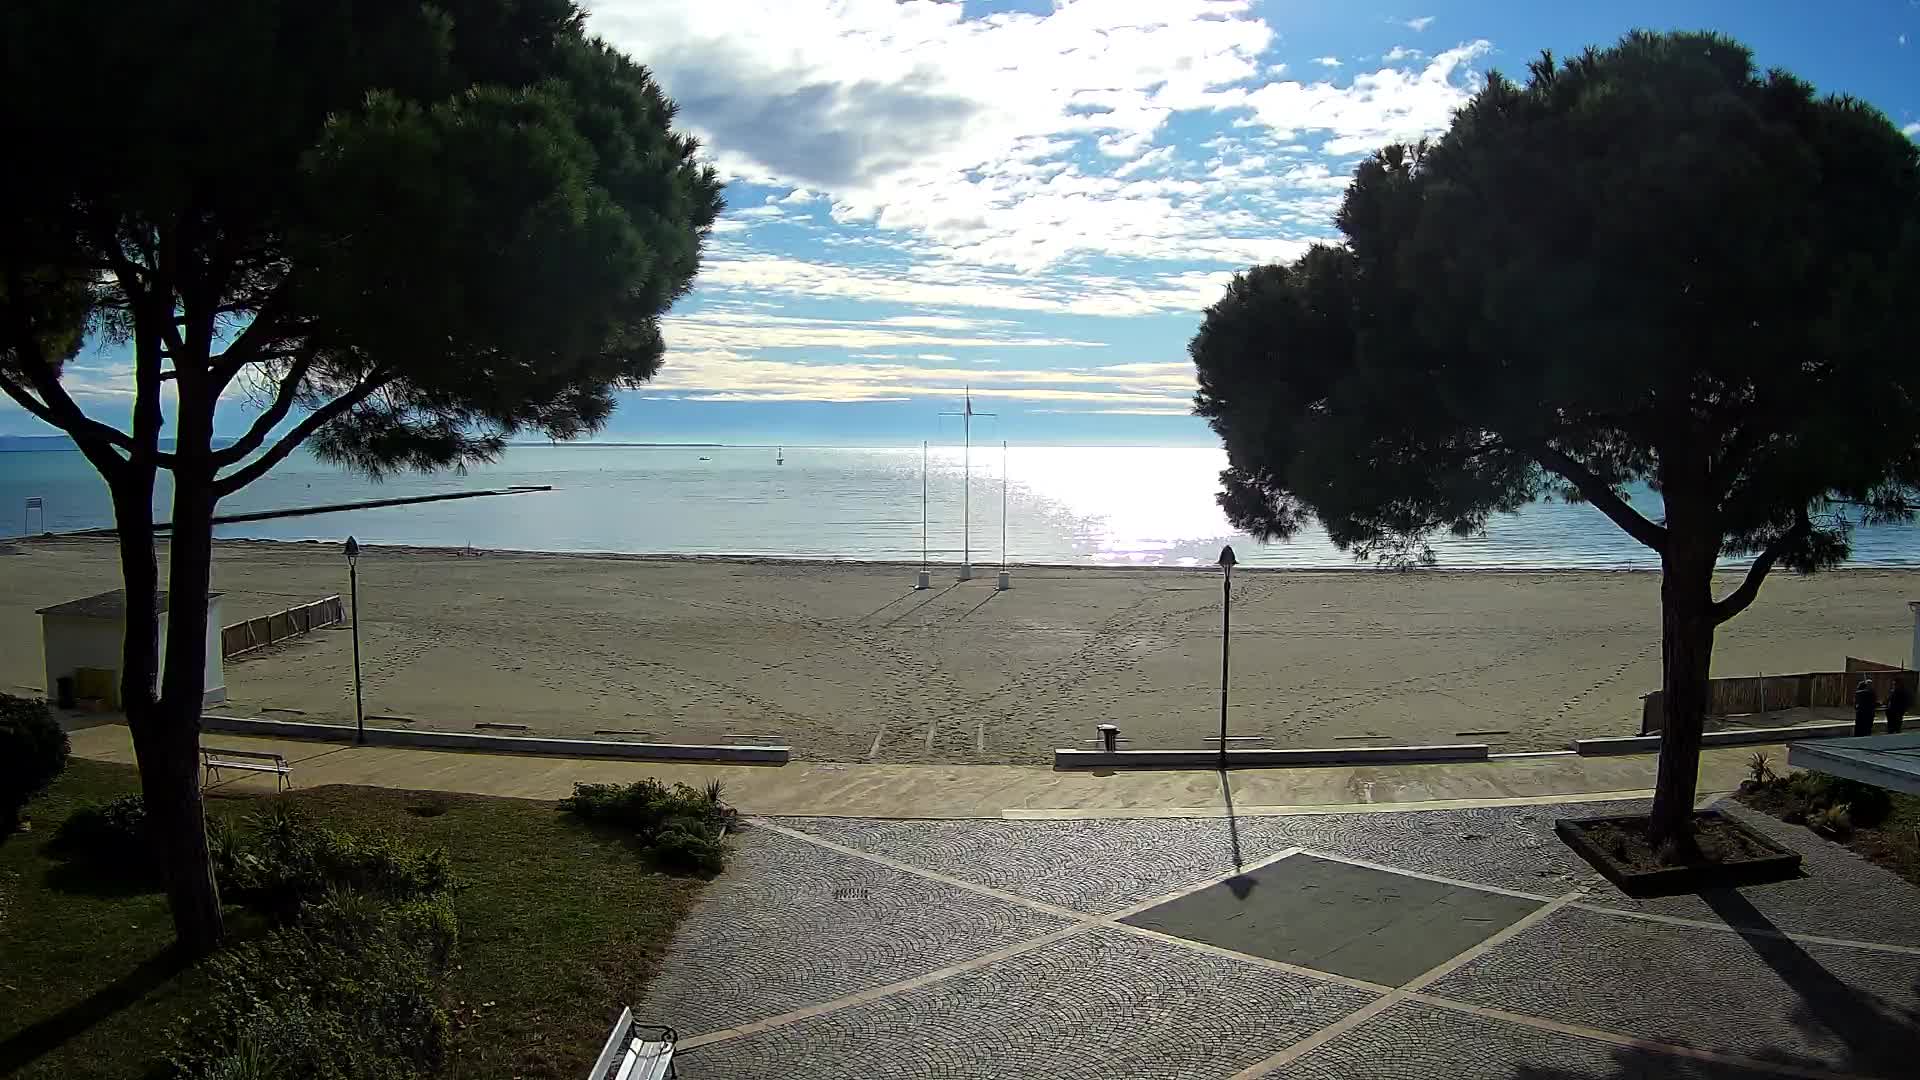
(1038, 199)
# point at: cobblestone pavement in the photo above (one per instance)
(845, 947)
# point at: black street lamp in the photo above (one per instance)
(1226, 623)
(353, 589)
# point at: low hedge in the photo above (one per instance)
(33, 751)
(679, 828)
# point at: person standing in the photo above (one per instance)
(1863, 706)
(1899, 700)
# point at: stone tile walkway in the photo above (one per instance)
(1447, 943)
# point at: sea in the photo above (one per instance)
(1068, 505)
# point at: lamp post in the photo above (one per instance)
(353, 590)
(1226, 625)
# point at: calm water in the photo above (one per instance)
(1103, 505)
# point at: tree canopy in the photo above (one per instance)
(420, 227)
(1649, 264)
(406, 231)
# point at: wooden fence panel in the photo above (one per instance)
(268, 629)
(1749, 694)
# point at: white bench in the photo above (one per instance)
(246, 761)
(636, 1051)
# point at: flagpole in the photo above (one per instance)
(925, 578)
(966, 415)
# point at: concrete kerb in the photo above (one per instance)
(1650, 744)
(1267, 759)
(499, 744)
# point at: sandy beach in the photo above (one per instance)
(845, 662)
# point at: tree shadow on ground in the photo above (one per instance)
(39, 1038)
(1873, 1037)
(101, 878)
(1868, 1027)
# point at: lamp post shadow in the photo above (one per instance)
(1241, 884)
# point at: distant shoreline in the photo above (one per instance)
(982, 570)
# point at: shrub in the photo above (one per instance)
(690, 848)
(679, 827)
(1760, 769)
(350, 989)
(1867, 805)
(33, 751)
(1835, 821)
(111, 834)
(283, 859)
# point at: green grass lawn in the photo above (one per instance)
(559, 926)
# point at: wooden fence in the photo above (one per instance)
(267, 629)
(1750, 694)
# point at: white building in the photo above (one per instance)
(88, 635)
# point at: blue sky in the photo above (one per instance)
(1039, 198)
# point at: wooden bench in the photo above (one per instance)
(636, 1051)
(213, 761)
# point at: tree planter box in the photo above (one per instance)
(1763, 861)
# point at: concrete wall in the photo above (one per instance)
(70, 642)
(499, 744)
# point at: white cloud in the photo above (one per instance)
(1152, 159)
(1165, 410)
(1401, 52)
(710, 329)
(949, 286)
(938, 357)
(1327, 61)
(1911, 129)
(719, 376)
(939, 322)
(1419, 24)
(1378, 107)
(954, 131)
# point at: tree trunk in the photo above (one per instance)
(172, 788)
(1686, 652)
(140, 576)
(165, 748)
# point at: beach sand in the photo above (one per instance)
(845, 662)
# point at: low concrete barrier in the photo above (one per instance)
(499, 744)
(1266, 759)
(1650, 744)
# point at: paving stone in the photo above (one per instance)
(1836, 1007)
(1099, 1004)
(1415, 1041)
(1510, 847)
(792, 924)
(1093, 866)
(1332, 916)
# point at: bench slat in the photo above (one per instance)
(263, 755)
